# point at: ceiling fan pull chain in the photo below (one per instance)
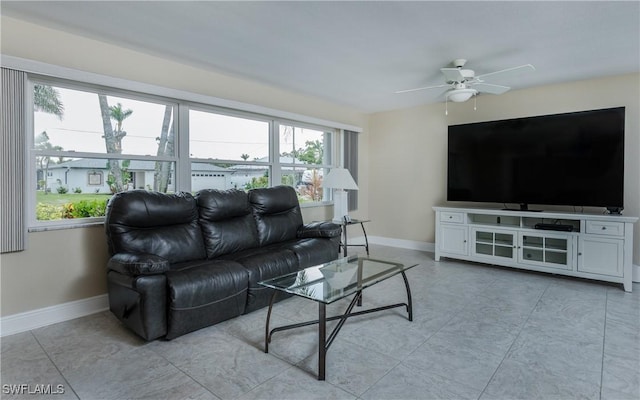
(475, 99)
(446, 105)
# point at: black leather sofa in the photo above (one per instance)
(181, 262)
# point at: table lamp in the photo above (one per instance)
(339, 179)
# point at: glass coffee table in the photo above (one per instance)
(330, 282)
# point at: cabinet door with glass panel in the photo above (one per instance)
(496, 244)
(548, 250)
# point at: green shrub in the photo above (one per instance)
(85, 209)
(260, 182)
(77, 190)
(62, 190)
(47, 212)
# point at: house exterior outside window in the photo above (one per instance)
(89, 142)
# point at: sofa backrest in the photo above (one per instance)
(277, 213)
(226, 221)
(141, 221)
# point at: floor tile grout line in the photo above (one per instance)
(184, 372)
(399, 362)
(454, 314)
(46, 353)
(514, 341)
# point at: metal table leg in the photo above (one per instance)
(344, 244)
(267, 334)
(322, 340)
(366, 241)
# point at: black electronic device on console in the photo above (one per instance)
(568, 159)
(555, 227)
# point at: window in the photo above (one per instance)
(94, 178)
(90, 143)
(224, 137)
(304, 160)
(239, 150)
(228, 151)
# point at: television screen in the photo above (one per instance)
(574, 159)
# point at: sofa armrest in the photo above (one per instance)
(319, 230)
(138, 264)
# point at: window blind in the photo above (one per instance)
(12, 153)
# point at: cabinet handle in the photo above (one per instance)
(464, 241)
(604, 228)
(579, 254)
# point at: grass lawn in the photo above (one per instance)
(59, 199)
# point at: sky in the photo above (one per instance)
(211, 135)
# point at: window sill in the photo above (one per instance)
(316, 204)
(57, 227)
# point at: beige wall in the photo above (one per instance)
(408, 149)
(402, 155)
(66, 265)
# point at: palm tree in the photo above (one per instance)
(42, 143)
(119, 115)
(165, 147)
(47, 99)
(113, 140)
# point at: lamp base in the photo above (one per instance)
(340, 206)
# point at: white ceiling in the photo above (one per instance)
(359, 53)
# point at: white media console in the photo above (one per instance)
(594, 246)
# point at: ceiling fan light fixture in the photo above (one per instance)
(461, 95)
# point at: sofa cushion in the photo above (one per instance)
(166, 225)
(276, 212)
(204, 293)
(264, 263)
(138, 264)
(319, 229)
(313, 251)
(226, 221)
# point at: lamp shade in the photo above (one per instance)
(339, 178)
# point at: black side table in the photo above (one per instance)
(345, 244)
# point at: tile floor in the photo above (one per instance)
(479, 332)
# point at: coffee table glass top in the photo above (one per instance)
(337, 279)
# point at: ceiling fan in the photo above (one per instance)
(463, 83)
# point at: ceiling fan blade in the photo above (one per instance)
(453, 74)
(490, 88)
(509, 71)
(421, 88)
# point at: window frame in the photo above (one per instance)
(333, 148)
(34, 79)
(182, 173)
(274, 165)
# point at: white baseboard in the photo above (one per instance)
(401, 243)
(26, 321)
(635, 276)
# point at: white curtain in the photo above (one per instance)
(12, 154)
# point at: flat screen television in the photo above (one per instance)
(573, 159)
